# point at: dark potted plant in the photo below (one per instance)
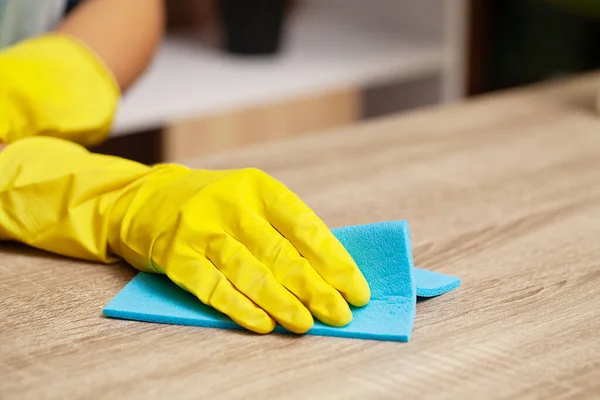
(252, 27)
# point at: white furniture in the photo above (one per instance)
(394, 52)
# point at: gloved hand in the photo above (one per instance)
(237, 239)
(54, 86)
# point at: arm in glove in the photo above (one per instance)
(55, 86)
(237, 239)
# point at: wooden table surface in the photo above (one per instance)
(503, 191)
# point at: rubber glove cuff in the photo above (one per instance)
(54, 85)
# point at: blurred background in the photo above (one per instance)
(233, 73)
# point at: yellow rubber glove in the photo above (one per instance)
(54, 86)
(237, 239)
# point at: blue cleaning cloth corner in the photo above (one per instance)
(383, 252)
(432, 284)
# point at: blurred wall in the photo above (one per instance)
(518, 42)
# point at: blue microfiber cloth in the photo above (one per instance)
(432, 284)
(382, 251)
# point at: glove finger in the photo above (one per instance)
(294, 272)
(201, 278)
(315, 241)
(257, 282)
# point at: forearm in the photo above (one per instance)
(124, 34)
(67, 84)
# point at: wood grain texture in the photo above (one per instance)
(503, 191)
(250, 126)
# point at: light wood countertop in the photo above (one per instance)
(503, 191)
